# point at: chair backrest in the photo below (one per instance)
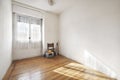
(50, 46)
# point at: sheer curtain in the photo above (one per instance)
(35, 32)
(27, 32)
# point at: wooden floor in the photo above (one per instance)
(57, 68)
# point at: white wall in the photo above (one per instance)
(50, 28)
(90, 33)
(5, 36)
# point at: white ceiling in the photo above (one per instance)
(58, 7)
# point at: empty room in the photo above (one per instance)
(59, 39)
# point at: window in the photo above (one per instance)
(22, 32)
(27, 32)
(28, 29)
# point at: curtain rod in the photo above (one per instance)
(29, 7)
(27, 15)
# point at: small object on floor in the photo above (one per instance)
(49, 53)
(57, 49)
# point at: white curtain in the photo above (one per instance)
(27, 32)
(35, 33)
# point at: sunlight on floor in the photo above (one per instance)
(80, 72)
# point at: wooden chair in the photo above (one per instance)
(50, 46)
(50, 50)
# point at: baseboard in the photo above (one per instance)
(8, 73)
